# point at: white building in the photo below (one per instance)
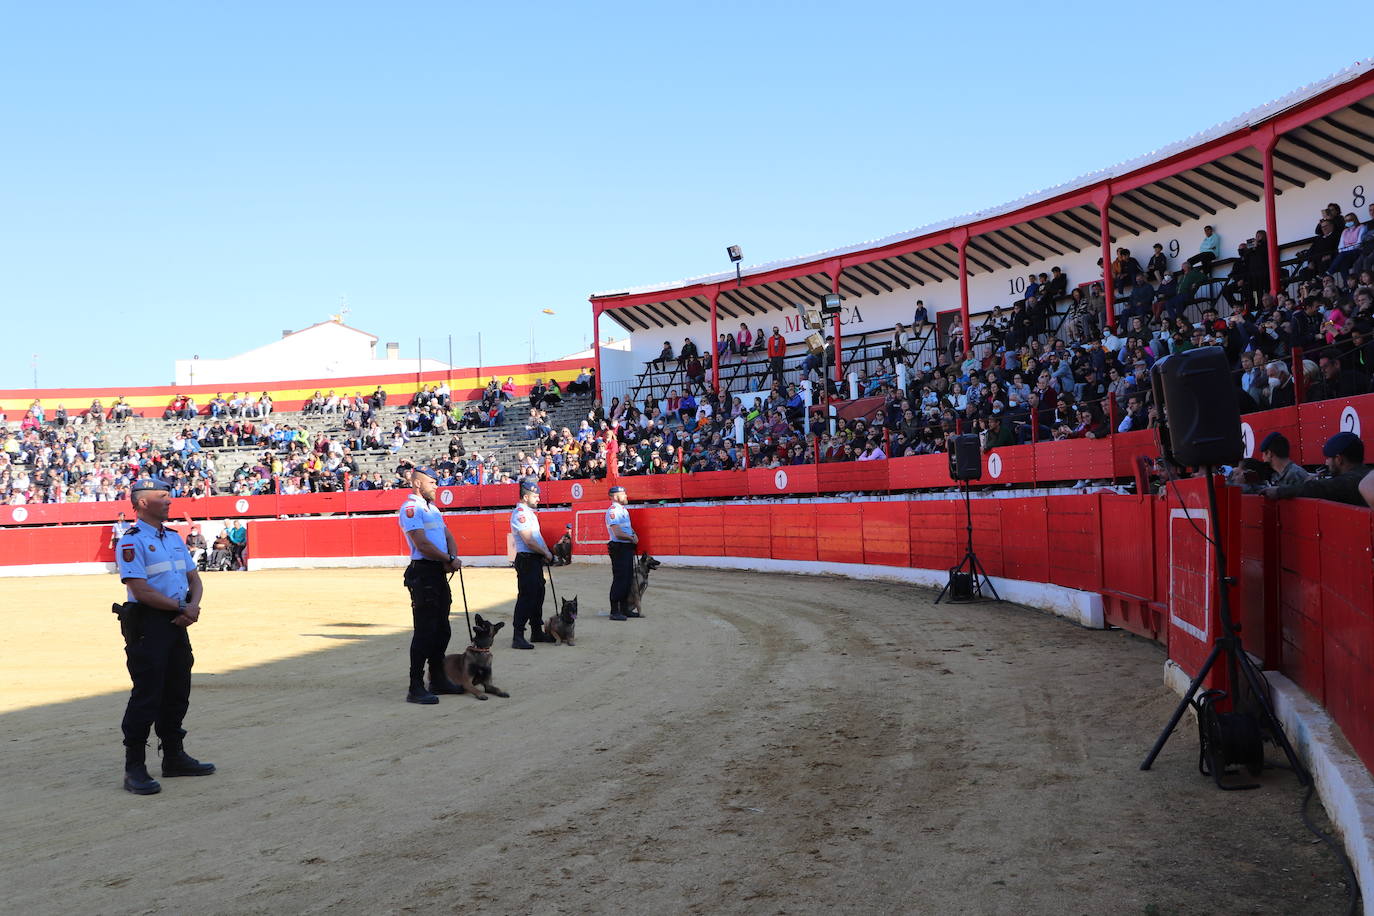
(330, 349)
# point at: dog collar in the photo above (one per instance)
(486, 651)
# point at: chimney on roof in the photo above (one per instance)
(393, 351)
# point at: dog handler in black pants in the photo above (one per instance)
(622, 550)
(164, 592)
(433, 555)
(531, 553)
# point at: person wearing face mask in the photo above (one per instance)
(1348, 250)
(1280, 386)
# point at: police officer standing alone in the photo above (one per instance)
(164, 593)
(531, 553)
(433, 554)
(622, 550)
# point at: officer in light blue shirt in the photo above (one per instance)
(531, 554)
(433, 554)
(164, 592)
(621, 547)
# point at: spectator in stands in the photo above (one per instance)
(1158, 265)
(920, 317)
(1125, 270)
(1274, 451)
(1336, 381)
(1344, 453)
(581, 384)
(689, 351)
(238, 543)
(744, 340)
(1208, 250)
(1280, 392)
(725, 348)
(1320, 256)
(777, 350)
(1348, 248)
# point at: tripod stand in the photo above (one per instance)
(977, 576)
(1237, 659)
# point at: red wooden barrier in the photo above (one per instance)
(794, 531)
(700, 531)
(839, 533)
(853, 476)
(1321, 420)
(921, 471)
(886, 533)
(715, 484)
(1074, 529)
(794, 480)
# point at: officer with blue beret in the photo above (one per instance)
(621, 547)
(164, 591)
(433, 554)
(531, 553)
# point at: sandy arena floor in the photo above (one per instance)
(758, 744)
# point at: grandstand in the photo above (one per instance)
(1073, 516)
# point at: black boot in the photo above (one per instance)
(418, 693)
(176, 762)
(618, 610)
(627, 610)
(539, 634)
(439, 682)
(518, 640)
(136, 778)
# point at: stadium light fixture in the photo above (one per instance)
(736, 255)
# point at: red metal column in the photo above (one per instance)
(1104, 211)
(596, 345)
(835, 272)
(1271, 218)
(715, 350)
(963, 292)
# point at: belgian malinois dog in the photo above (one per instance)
(472, 668)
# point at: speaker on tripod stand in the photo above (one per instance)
(1200, 410)
(968, 579)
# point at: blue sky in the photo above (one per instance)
(191, 180)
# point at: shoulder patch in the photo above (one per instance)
(410, 511)
(128, 554)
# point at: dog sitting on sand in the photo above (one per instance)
(472, 668)
(560, 627)
(644, 565)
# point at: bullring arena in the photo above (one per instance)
(796, 726)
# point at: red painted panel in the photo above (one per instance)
(1321, 420)
(460, 497)
(1127, 447)
(1025, 539)
(657, 528)
(839, 533)
(852, 476)
(329, 537)
(1075, 541)
(1300, 611)
(497, 495)
(379, 537)
(747, 531)
(921, 471)
(937, 533)
(555, 493)
(987, 536)
(795, 480)
(714, 484)
(269, 538)
(700, 531)
(1073, 459)
(311, 504)
(1346, 580)
(1128, 557)
(886, 533)
(383, 500)
(651, 487)
(1255, 426)
(794, 531)
(1015, 464)
(1256, 608)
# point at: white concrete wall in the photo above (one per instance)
(1298, 210)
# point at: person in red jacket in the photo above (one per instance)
(777, 349)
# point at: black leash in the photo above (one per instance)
(464, 589)
(556, 605)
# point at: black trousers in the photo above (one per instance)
(622, 570)
(775, 369)
(158, 655)
(529, 602)
(430, 600)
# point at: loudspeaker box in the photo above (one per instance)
(965, 457)
(1201, 407)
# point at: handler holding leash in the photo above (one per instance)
(433, 553)
(164, 592)
(621, 547)
(531, 553)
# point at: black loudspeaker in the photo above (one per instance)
(965, 457)
(960, 586)
(1200, 406)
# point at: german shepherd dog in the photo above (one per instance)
(644, 565)
(472, 669)
(560, 626)
(562, 551)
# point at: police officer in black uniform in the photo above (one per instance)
(164, 593)
(621, 547)
(531, 555)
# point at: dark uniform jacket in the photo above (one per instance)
(1343, 488)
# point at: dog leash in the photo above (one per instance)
(464, 590)
(556, 605)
